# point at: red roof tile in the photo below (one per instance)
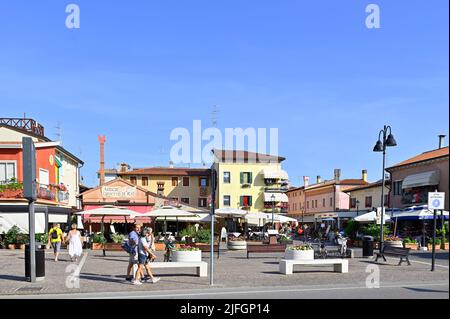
(441, 152)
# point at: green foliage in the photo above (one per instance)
(189, 231)
(12, 184)
(11, 235)
(409, 240)
(436, 242)
(117, 238)
(187, 248)
(374, 230)
(99, 238)
(352, 228)
(203, 236)
(306, 246)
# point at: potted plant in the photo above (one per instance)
(236, 243)
(299, 252)
(408, 242)
(21, 241)
(202, 236)
(11, 237)
(393, 241)
(186, 253)
(13, 189)
(442, 233)
(437, 244)
(117, 242)
(98, 241)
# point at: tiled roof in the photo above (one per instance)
(370, 185)
(168, 171)
(441, 152)
(348, 181)
(245, 156)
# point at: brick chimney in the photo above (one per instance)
(337, 174)
(364, 175)
(305, 181)
(441, 140)
(102, 140)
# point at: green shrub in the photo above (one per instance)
(409, 240)
(374, 230)
(99, 238)
(352, 228)
(12, 235)
(189, 231)
(117, 238)
(203, 236)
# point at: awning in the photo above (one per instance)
(275, 174)
(278, 197)
(421, 179)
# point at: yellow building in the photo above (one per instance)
(250, 181)
(187, 185)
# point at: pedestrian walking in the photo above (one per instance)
(55, 238)
(133, 241)
(145, 254)
(75, 244)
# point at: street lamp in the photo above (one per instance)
(273, 209)
(387, 140)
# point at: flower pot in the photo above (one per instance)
(299, 254)
(436, 247)
(97, 246)
(21, 246)
(113, 246)
(393, 243)
(186, 255)
(237, 245)
(413, 246)
(11, 246)
(445, 246)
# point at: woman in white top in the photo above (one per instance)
(75, 245)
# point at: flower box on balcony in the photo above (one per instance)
(11, 193)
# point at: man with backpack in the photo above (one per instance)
(55, 237)
(132, 249)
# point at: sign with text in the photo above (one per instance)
(378, 217)
(118, 192)
(436, 200)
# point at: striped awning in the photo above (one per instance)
(422, 179)
(275, 174)
(278, 197)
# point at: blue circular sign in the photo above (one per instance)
(436, 203)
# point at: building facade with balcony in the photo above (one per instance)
(190, 186)
(412, 179)
(57, 174)
(250, 181)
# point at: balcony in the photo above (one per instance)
(13, 189)
(203, 191)
(29, 125)
(276, 189)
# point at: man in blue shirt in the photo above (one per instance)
(133, 240)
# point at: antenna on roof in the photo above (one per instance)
(214, 115)
(58, 131)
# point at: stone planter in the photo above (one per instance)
(299, 254)
(113, 246)
(11, 246)
(393, 243)
(413, 246)
(237, 245)
(97, 246)
(21, 246)
(445, 246)
(186, 255)
(436, 247)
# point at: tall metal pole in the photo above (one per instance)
(31, 225)
(382, 190)
(213, 207)
(433, 249)
(273, 211)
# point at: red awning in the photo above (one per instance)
(118, 219)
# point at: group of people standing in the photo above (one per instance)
(142, 243)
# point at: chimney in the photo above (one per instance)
(364, 175)
(123, 167)
(305, 181)
(171, 164)
(102, 140)
(441, 140)
(337, 174)
(319, 179)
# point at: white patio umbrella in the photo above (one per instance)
(370, 217)
(229, 212)
(258, 215)
(277, 218)
(108, 210)
(167, 211)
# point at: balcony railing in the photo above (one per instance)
(56, 193)
(29, 125)
(276, 189)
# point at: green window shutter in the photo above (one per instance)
(250, 177)
(242, 178)
(250, 203)
(241, 200)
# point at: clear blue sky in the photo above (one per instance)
(137, 69)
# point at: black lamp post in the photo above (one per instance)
(384, 140)
(273, 209)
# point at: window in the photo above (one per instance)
(203, 182)
(202, 202)
(315, 204)
(133, 180)
(307, 204)
(227, 177)
(398, 188)
(246, 201)
(185, 200)
(352, 202)
(226, 200)
(185, 181)
(174, 181)
(43, 177)
(331, 201)
(386, 200)
(368, 201)
(246, 178)
(7, 171)
(145, 181)
(323, 202)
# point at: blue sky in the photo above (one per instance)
(137, 69)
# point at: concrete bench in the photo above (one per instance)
(201, 266)
(339, 265)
